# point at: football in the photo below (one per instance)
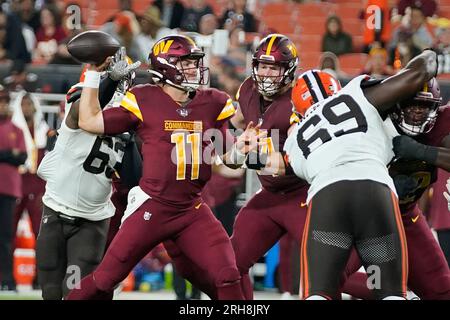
(92, 47)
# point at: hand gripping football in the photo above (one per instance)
(92, 46)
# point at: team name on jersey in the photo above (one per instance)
(173, 125)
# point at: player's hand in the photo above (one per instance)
(249, 140)
(406, 147)
(447, 193)
(119, 67)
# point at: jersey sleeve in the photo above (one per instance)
(124, 118)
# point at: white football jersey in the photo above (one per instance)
(78, 173)
(341, 138)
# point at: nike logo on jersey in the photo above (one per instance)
(303, 204)
(147, 215)
(199, 205)
(415, 219)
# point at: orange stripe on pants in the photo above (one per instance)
(401, 232)
(304, 282)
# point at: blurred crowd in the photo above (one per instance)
(37, 31)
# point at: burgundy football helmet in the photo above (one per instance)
(279, 50)
(166, 63)
(418, 114)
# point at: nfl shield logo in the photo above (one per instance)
(147, 215)
(183, 112)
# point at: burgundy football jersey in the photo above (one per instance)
(276, 117)
(175, 148)
(415, 176)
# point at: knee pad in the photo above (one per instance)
(227, 276)
(52, 292)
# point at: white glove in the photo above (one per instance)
(447, 193)
(119, 67)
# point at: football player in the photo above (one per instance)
(340, 147)
(280, 206)
(77, 206)
(171, 117)
(422, 146)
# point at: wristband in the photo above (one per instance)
(91, 79)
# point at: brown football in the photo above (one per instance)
(92, 46)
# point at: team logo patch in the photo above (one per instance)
(183, 112)
(147, 215)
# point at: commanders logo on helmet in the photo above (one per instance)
(165, 62)
(418, 114)
(279, 50)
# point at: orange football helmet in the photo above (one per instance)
(311, 87)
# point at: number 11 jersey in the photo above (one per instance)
(341, 138)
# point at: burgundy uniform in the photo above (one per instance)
(33, 189)
(429, 275)
(280, 206)
(174, 173)
(12, 138)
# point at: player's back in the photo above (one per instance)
(341, 138)
(176, 146)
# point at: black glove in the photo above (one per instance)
(404, 185)
(407, 148)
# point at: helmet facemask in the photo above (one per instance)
(271, 85)
(417, 115)
(183, 79)
(193, 76)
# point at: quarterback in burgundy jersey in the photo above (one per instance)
(172, 118)
(423, 124)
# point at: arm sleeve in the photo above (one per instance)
(119, 120)
(106, 91)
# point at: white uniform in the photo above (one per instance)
(76, 173)
(341, 138)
